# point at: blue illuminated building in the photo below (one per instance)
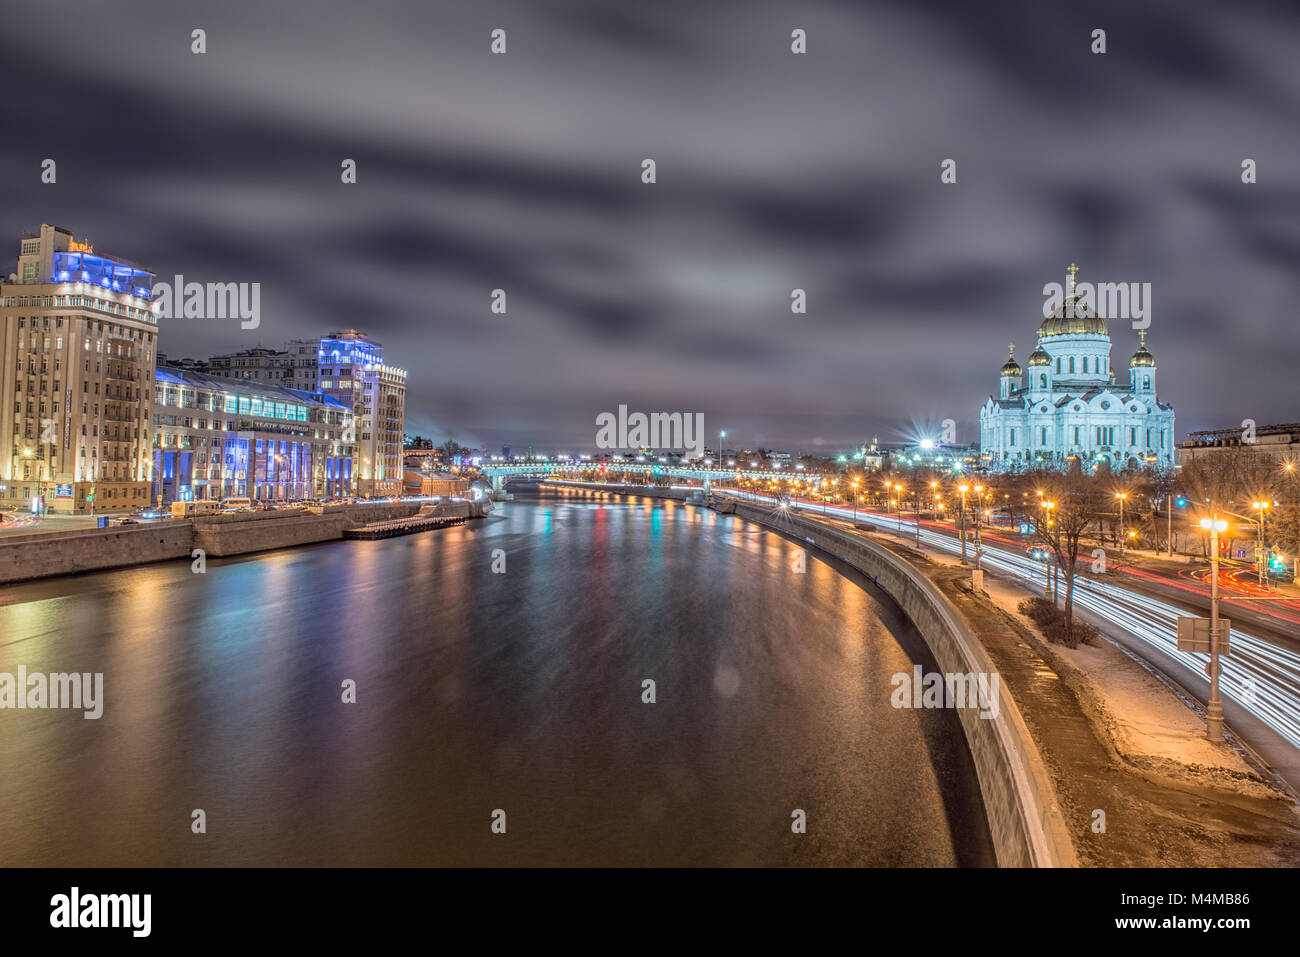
(223, 438)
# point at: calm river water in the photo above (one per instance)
(477, 691)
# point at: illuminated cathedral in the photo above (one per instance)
(1067, 405)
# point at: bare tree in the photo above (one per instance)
(1071, 502)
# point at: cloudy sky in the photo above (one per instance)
(819, 171)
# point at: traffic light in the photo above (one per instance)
(1181, 501)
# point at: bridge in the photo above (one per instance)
(500, 472)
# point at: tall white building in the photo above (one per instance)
(1068, 406)
(77, 351)
(350, 367)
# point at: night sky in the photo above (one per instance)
(775, 171)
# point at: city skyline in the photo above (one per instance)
(579, 435)
(677, 294)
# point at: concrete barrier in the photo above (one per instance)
(240, 533)
(41, 554)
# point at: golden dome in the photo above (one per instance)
(1073, 317)
(1039, 358)
(1011, 367)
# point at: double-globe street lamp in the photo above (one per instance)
(1260, 558)
(1214, 710)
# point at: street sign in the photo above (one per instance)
(63, 491)
(1194, 634)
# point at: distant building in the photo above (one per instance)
(222, 438)
(255, 365)
(189, 365)
(78, 338)
(1281, 442)
(931, 454)
(349, 366)
(304, 364)
(1072, 408)
(427, 483)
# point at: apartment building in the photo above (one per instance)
(78, 339)
(222, 438)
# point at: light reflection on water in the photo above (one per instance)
(478, 691)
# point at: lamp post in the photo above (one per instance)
(979, 535)
(1123, 497)
(1259, 550)
(934, 489)
(1214, 710)
(963, 489)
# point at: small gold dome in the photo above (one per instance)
(1142, 358)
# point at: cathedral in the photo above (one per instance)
(1070, 408)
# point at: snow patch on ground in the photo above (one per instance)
(1141, 719)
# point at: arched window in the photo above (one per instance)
(1146, 382)
(1085, 364)
(1043, 380)
(1058, 365)
(1071, 364)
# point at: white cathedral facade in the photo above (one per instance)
(1067, 405)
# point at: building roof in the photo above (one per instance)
(1218, 436)
(199, 380)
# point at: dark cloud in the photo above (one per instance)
(820, 172)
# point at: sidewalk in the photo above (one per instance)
(29, 524)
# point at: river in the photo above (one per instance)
(479, 689)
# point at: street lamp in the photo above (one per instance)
(1123, 497)
(963, 489)
(1214, 710)
(1259, 550)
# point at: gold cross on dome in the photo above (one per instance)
(1072, 269)
(1012, 349)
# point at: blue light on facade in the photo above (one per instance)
(109, 273)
